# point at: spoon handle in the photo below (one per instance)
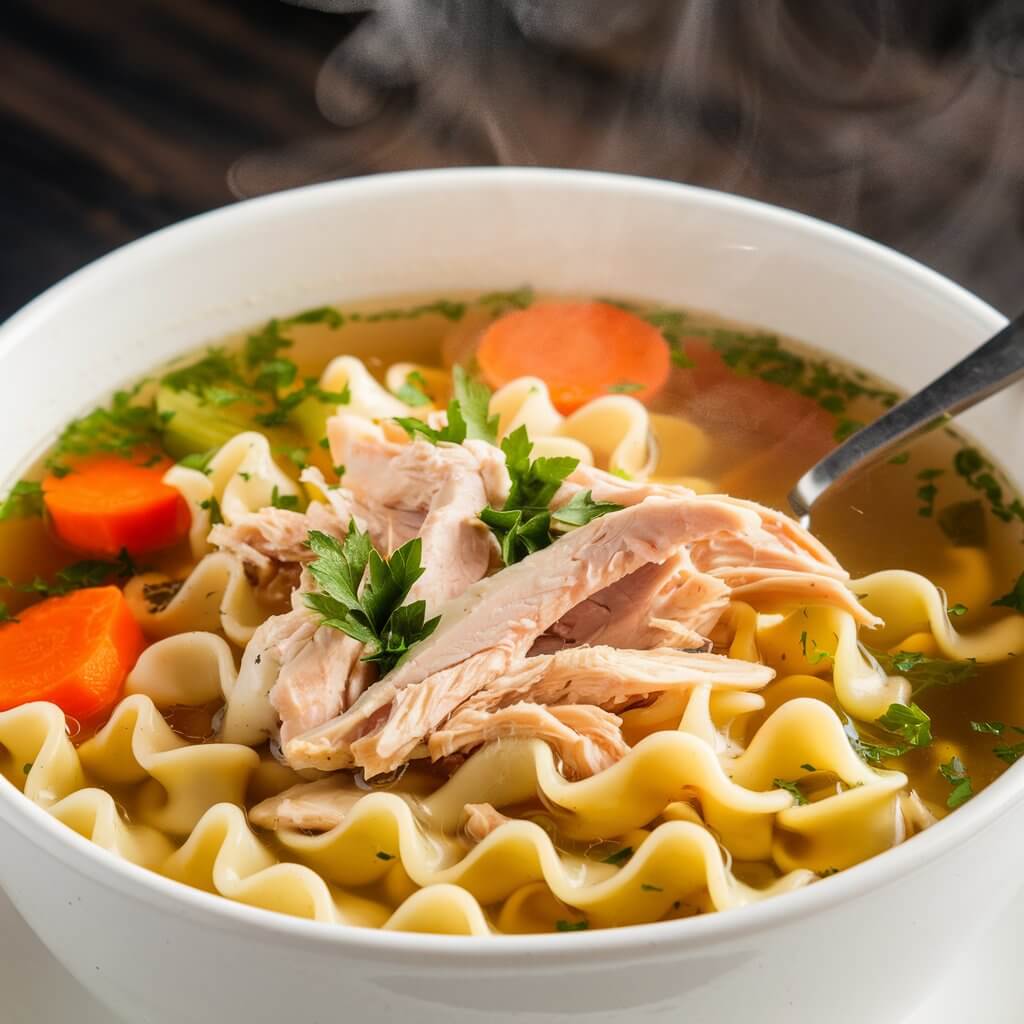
(988, 369)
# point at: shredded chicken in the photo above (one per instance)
(586, 738)
(311, 806)
(495, 622)
(480, 820)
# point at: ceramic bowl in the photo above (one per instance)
(863, 945)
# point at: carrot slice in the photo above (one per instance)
(109, 503)
(74, 651)
(581, 350)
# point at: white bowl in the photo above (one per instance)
(866, 944)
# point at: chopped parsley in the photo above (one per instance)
(25, 498)
(27, 767)
(325, 443)
(647, 887)
(212, 505)
(6, 615)
(990, 728)
(571, 926)
(928, 491)
(957, 609)
(468, 415)
(900, 460)
(1011, 754)
(582, 509)
(381, 855)
(625, 387)
(89, 572)
(328, 315)
(979, 473)
(908, 721)
(523, 525)
(876, 754)
(828, 872)
(285, 501)
(956, 775)
(1014, 599)
(793, 789)
(923, 672)
(414, 390)
(374, 614)
(200, 460)
(964, 524)
(619, 857)
(808, 767)
(502, 302)
(121, 428)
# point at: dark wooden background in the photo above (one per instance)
(901, 119)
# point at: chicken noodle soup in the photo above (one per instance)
(477, 615)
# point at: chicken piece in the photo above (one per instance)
(658, 605)
(585, 738)
(605, 486)
(496, 621)
(480, 820)
(311, 806)
(277, 535)
(613, 679)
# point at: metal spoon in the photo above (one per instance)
(996, 364)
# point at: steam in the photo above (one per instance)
(901, 120)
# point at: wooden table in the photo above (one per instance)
(121, 116)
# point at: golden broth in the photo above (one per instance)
(763, 433)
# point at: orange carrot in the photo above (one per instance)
(109, 503)
(74, 651)
(581, 350)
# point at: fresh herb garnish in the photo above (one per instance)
(957, 609)
(647, 887)
(468, 415)
(989, 728)
(876, 754)
(1014, 599)
(27, 767)
(500, 302)
(328, 315)
(571, 926)
(212, 505)
(828, 872)
(325, 443)
(619, 857)
(923, 672)
(964, 524)
(6, 615)
(1009, 754)
(381, 855)
(582, 509)
(979, 473)
(199, 460)
(414, 390)
(625, 387)
(376, 614)
(523, 525)
(25, 498)
(290, 502)
(121, 428)
(928, 492)
(956, 775)
(908, 721)
(288, 403)
(79, 575)
(900, 460)
(793, 789)
(808, 767)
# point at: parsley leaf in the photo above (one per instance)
(957, 609)
(989, 728)
(625, 387)
(524, 524)
(923, 672)
(619, 857)
(199, 460)
(956, 775)
(1015, 598)
(571, 926)
(518, 537)
(375, 614)
(474, 399)
(876, 754)
(89, 572)
(212, 505)
(582, 509)
(964, 524)
(1011, 754)
(5, 614)
(910, 722)
(414, 390)
(285, 501)
(25, 498)
(793, 789)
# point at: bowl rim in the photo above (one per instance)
(659, 939)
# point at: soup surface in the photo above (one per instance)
(436, 614)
